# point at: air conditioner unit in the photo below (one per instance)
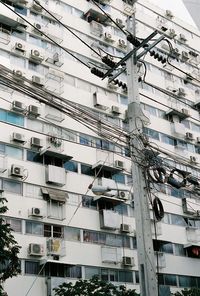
(193, 54)
(123, 194)
(185, 56)
(193, 159)
(181, 91)
(198, 140)
(56, 142)
(108, 37)
(37, 80)
(36, 212)
(35, 250)
(115, 110)
(185, 111)
(182, 38)
(18, 106)
(17, 137)
(100, 101)
(112, 85)
(17, 171)
(169, 14)
(36, 55)
(18, 75)
(128, 261)
(54, 246)
(36, 7)
(120, 22)
(122, 43)
(165, 46)
(36, 142)
(33, 111)
(189, 136)
(19, 46)
(172, 33)
(37, 26)
(119, 164)
(125, 228)
(175, 52)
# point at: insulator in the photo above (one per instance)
(97, 72)
(133, 40)
(152, 52)
(108, 61)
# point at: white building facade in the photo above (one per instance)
(49, 159)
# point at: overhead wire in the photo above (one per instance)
(41, 32)
(66, 27)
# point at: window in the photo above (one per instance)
(12, 186)
(87, 170)
(72, 234)
(35, 228)
(186, 281)
(126, 276)
(32, 191)
(179, 250)
(18, 62)
(32, 267)
(55, 209)
(21, 10)
(15, 224)
(170, 280)
(178, 220)
(73, 272)
(53, 231)
(119, 178)
(14, 152)
(11, 117)
(91, 271)
(87, 202)
(34, 156)
(71, 166)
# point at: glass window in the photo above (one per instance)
(124, 100)
(167, 248)
(125, 276)
(73, 271)
(72, 234)
(17, 61)
(178, 220)
(119, 178)
(71, 166)
(15, 119)
(34, 228)
(15, 224)
(179, 250)
(34, 156)
(170, 280)
(12, 186)
(14, 152)
(91, 271)
(186, 281)
(2, 115)
(87, 170)
(87, 202)
(21, 10)
(19, 34)
(32, 267)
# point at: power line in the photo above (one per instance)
(52, 40)
(66, 27)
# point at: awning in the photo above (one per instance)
(53, 194)
(190, 245)
(113, 200)
(61, 156)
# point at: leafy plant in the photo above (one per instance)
(92, 287)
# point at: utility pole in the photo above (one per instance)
(146, 257)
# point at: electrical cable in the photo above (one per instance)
(41, 269)
(109, 17)
(66, 27)
(52, 40)
(171, 49)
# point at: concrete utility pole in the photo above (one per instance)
(146, 257)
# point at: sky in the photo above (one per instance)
(177, 7)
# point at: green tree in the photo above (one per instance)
(9, 250)
(93, 287)
(188, 292)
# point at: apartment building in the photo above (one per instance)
(49, 158)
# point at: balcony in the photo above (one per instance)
(105, 161)
(180, 113)
(94, 14)
(7, 17)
